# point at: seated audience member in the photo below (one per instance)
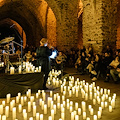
(96, 67)
(28, 56)
(106, 60)
(83, 62)
(112, 66)
(59, 61)
(78, 64)
(115, 73)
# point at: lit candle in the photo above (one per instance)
(31, 118)
(41, 116)
(34, 111)
(76, 106)
(50, 118)
(76, 93)
(102, 104)
(99, 114)
(95, 117)
(20, 108)
(70, 93)
(12, 69)
(45, 109)
(79, 111)
(84, 115)
(108, 92)
(3, 103)
(14, 113)
(3, 117)
(25, 116)
(17, 99)
(90, 96)
(100, 109)
(22, 101)
(83, 106)
(52, 114)
(76, 117)
(63, 116)
(58, 99)
(106, 104)
(37, 95)
(94, 101)
(42, 106)
(7, 111)
(8, 97)
(1, 109)
(91, 111)
(58, 105)
(89, 107)
(55, 97)
(29, 106)
(37, 116)
(54, 107)
(51, 93)
(71, 108)
(110, 108)
(72, 115)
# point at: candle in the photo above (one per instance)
(50, 118)
(31, 118)
(91, 111)
(70, 93)
(76, 117)
(72, 115)
(3, 103)
(90, 96)
(19, 70)
(52, 114)
(42, 106)
(55, 97)
(3, 117)
(14, 113)
(17, 99)
(54, 107)
(37, 95)
(88, 118)
(22, 101)
(63, 98)
(12, 69)
(68, 105)
(79, 111)
(8, 97)
(76, 93)
(63, 116)
(100, 109)
(45, 109)
(34, 111)
(41, 116)
(20, 108)
(102, 104)
(99, 114)
(95, 117)
(58, 99)
(37, 116)
(83, 106)
(29, 106)
(71, 108)
(58, 105)
(25, 116)
(89, 107)
(7, 111)
(76, 106)
(84, 115)
(51, 93)
(110, 108)
(94, 101)
(1, 109)
(106, 104)
(108, 92)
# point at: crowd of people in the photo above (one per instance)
(85, 60)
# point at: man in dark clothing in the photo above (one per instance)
(42, 53)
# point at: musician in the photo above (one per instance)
(42, 53)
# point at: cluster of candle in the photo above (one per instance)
(53, 105)
(1, 64)
(28, 67)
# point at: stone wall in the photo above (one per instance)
(99, 23)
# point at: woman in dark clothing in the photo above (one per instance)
(42, 53)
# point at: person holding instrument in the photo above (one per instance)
(42, 54)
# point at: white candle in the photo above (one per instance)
(34, 111)
(58, 105)
(58, 99)
(108, 92)
(50, 118)
(54, 107)
(76, 93)
(102, 104)
(43, 105)
(55, 97)
(17, 99)
(89, 107)
(20, 108)
(76, 106)
(95, 117)
(52, 114)
(12, 69)
(3, 103)
(1, 109)
(90, 96)
(70, 93)
(8, 97)
(88, 118)
(63, 116)
(45, 109)
(71, 108)
(19, 70)
(83, 106)
(91, 111)
(37, 95)
(84, 115)
(41, 116)
(94, 101)
(37, 116)
(100, 109)
(29, 106)
(14, 113)
(106, 104)
(72, 115)
(51, 93)
(76, 117)
(79, 111)
(7, 111)
(31, 118)
(110, 108)
(99, 114)
(25, 116)
(3, 117)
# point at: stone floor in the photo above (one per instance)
(106, 115)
